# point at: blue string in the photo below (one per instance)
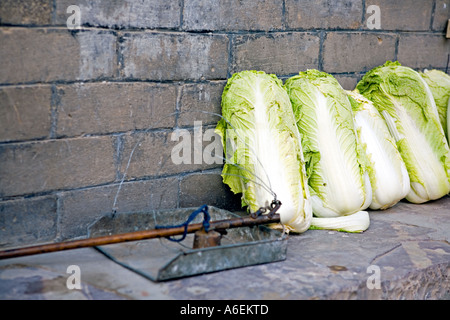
(206, 224)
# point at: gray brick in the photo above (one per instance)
(26, 12)
(441, 15)
(348, 82)
(423, 50)
(408, 15)
(25, 112)
(278, 53)
(31, 55)
(344, 14)
(153, 155)
(174, 56)
(356, 51)
(29, 168)
(207, 188)
(150, 155)
(91, 108)
(199, 98)
(97, 51)
(232, 15)
(28, 221)
(81, 208)
(123, 14)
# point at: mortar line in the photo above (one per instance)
(54, 12)
(363, 16)
(283, 16)
(322, 37)
(181, 2)
(397, 41)
(433, 11)
(171, 30)
(113, 80)
(230, 54)
(119, 55)
(54, 102)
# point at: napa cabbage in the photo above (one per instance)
(262, 147)
(388, 175)
(335, 162)
(439, 83)
(406, 103)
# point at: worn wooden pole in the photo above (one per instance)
(141, 235)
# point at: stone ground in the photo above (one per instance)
(406, 248)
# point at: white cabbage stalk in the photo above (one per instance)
(262, 147)
(388, 175)
(356, 222)
(338, 181)
(406, 103)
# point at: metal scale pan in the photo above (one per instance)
(161, 259)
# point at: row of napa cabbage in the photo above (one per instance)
(328, 154)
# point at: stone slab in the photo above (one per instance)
(406, 248)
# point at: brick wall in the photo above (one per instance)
(74, 103)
